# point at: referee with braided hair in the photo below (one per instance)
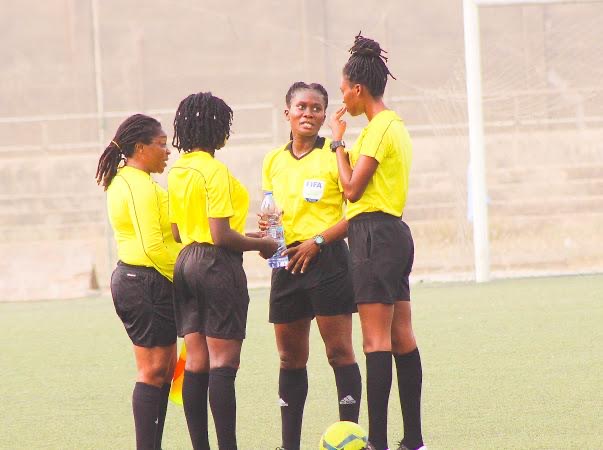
(374, 174)
(208, 209)
(141, 285)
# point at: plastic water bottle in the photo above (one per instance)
(271, 213)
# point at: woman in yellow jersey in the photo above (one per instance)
(375, 183)
(141, 285)
(303, 177)
(208, 209)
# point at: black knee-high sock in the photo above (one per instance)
(194, 397)
(349, 391)
(410, 379)
(292, 390)
(163, 402)
(378, 386)
(223, 404)
(145, 405)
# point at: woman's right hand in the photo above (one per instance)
(262, 224)
(268, 247)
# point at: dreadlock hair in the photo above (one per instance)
(136, 128)
(300, 85)
(202, 121)
(367, 65)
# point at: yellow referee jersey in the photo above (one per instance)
(306, 189)
(138, 212)
(386, 139)
(201, 187)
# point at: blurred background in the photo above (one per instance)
(74, 69)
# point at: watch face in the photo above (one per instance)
(319, 240)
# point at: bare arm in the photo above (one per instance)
(176, 233)
(224, 236)
(354, 181)
(301, 255)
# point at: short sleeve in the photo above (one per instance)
(334, 171)
(219, 201)
(266, 175)
(377, 141)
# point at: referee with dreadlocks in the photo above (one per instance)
(141, 284)
(208, 209)
(374, 174)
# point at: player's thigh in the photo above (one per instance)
(224, 352)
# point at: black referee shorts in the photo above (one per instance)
(382, 251)
(210, 292)
(144, 301)
(324, 289)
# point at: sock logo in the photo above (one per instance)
(347, 400)
(282, 402)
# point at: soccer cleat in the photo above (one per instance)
(401, 446)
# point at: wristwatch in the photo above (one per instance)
(319, 240)
(336, 144)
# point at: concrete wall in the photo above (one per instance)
(543, 107)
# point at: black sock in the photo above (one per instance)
(194, 397)
(163, 402)
(378, 386)
(145, 405)
(410, 378)
(349, 391)
(223, 404)
(292, 392)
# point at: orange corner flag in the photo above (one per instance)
(176, 390)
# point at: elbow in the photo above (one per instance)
(352, 196)
(219, 240)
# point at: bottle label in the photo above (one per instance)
(313, 190)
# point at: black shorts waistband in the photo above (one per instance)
(296, 243)
(216, 248)
(374, 215)
(134, 267)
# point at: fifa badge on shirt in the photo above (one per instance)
(313, 190)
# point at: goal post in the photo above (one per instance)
(477, 172)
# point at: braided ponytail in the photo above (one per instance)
(367, 65)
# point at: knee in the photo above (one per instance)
(403, 341)
(372, 344)
(153, 374)
(196, 364)
(230, 361)
(292, 360)
(341, 356)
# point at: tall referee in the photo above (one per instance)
(375, 183)
(304, 180)
(141, 284)
(208, 209)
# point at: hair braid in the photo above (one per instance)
(202, 121)
(367, 65)
(136, 128)
(300, 85)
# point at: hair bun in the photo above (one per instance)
(367, 47)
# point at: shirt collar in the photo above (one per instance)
(319, 143)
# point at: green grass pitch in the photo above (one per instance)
(507, 364)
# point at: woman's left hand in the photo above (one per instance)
(337, 124)
(301, 256)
